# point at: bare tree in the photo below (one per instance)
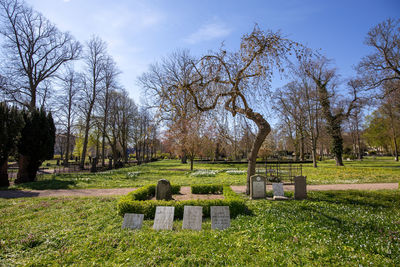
(111, 73)
(163, 87)
(235, 79)
(34, 50)
(324, 78)
(95, 56)
(70, 88)
(384, 63)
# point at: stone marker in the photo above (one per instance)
(220, 217)
(164, 218)
(257, 186)
(192, 217)
(163, 190)
(278, 189)
(280, 198)
(300, 187)
(132, 221)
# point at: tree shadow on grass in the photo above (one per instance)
(370, 199)
(47, 184)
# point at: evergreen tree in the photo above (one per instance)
(11, 123)
(36, 144)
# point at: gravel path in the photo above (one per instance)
(123, 191)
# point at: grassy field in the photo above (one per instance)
(330, 228)
(367, 171)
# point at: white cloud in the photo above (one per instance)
(208, 32)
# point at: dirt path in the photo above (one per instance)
(123, 191)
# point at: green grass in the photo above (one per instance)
(367, 171)
(350, 228)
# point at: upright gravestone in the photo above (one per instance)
(279, 194)
(132, 221)
(277, 188)
(220, 217)
(257, 186)
(300, 187)
(163, 190)
(192, 217)
(164, 218)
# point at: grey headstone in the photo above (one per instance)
(257, 186)
(278, 189)
(132, 221)
(300, 187)
(164, 218)
(220, 217)
(192, 217)
(163, 190)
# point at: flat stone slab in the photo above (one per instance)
(192, 217)
(278, 189)
(220, 217)
(280, 198)
(164, 218)
(132, 221)
(163, 190)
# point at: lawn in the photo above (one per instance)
(369, 170)
(330, 228)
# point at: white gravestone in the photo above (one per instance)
(192, 217)
(164, 218)
(257, 186)
(132, 221)
(220, 217)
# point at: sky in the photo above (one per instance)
(141, 32)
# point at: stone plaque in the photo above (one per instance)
(220, 217)
(257, 186)
(192, 217)
(163, 190)
(300, 187)
(278, 189)
(164, 218)
(132, 221)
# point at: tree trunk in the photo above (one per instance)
(67, 149)
(85, 141)
(263, 130)
(314, 153)
(184, 157)
(27, 169)
(191, 163)
(4, 173)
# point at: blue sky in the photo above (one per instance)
(139, 33)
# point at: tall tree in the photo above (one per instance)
(163, 85)
(384, 63)
(95, 56)
(235, 80)
(110, 83)
(324, 78)
(34, 50)
(11, 123)
(70, 88)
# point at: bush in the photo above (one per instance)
(149, 191)
(207, 189)
(131, 204)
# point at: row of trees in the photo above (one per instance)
(217, 105)
(313, 107)
(88, 103)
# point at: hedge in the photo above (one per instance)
(128, 204)
(207, 189)
(149, 191)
